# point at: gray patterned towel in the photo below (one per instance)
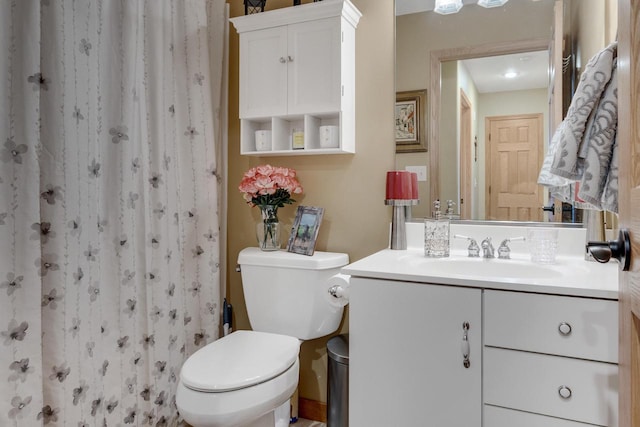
(584, 148)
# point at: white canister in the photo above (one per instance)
(329, 137)
(263, 140)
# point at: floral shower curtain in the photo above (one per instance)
(110, 188)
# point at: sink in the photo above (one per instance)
(492, 268)
(571, 274)
(487, 268)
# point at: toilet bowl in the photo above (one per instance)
(247, 378)
(236, 380)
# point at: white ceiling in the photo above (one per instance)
(488, 73)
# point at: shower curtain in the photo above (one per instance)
(110, 192)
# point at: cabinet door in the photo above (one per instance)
(314, 66)
(263, 73)
(405, 359)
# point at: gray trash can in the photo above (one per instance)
(338, 381)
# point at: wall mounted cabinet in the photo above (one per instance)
(297, 73)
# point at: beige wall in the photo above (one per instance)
(595, 27)
(351, 188)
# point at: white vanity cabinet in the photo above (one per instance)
(406, 363)
(297, 73)
(543, 338)
(536, 360)
(549, 360)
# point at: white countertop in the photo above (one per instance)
(575, 276)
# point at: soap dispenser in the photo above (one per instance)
(449, 212)
(436, 234)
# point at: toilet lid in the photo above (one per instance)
(239, 360)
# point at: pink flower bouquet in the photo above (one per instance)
(267, 186)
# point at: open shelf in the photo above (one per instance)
(282, 129)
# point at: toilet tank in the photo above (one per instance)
(286, 293)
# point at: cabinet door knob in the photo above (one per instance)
(564, 392)
(290, 58)
(282, 60)
(564, 328)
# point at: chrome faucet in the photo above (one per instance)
(488, 250)
(504, 251)
(473, 249)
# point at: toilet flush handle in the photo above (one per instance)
(238, 269)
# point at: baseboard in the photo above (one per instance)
(312, 410)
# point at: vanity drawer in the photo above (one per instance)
(495, 416)
(532, 382)
(568, 326)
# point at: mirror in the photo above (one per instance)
(430, 54)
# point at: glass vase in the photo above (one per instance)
(268, 230)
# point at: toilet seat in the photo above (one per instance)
(239, 360)
(237, 407)
(238, 378)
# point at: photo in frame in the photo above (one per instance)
(410, 129)
(305, 230)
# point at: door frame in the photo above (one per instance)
(629, 200)
(466, 125)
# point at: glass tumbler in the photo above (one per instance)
(543, 245)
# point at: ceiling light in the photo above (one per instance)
(445, 7)
(491, 3)
(510, 75)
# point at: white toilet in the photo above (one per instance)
(247, 378)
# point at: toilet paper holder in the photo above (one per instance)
(338, 290)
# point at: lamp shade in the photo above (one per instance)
(414, 186)
(399, 185)
(445, 7)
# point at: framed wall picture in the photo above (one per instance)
(305, 230)
(410, 121)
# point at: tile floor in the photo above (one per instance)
(308, 423)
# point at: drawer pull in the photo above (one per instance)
(564, 328)
(564, 392)
(465, 345)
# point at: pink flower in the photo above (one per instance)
(296, 188)
(265, 170)
(266, 185)
(280, 180)
(285, 172)
(248, 186)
